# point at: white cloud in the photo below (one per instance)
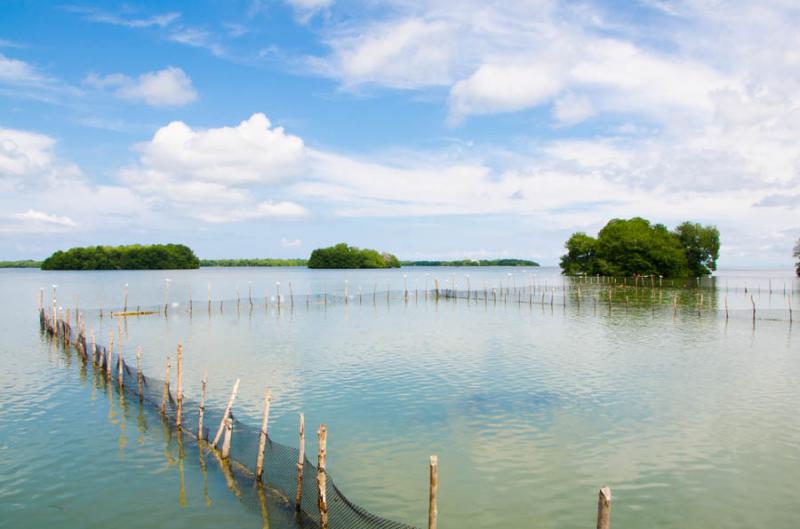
(571, 109)
(306, 9)
(219, 174)
(293, 243)
(124, 19)
(168, 87)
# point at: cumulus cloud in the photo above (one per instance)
(168, 87)
(218, 174)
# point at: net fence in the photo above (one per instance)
(281, 463)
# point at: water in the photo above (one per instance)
(689, 417)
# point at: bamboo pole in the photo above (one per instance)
(301, 457)
(322, 498)
(262, 436)
(94, 348)
(434, 487)
(226, 443)
(120, 364)
(226, 414)
(202, 405)
(179, 411)
(604, 508)
(165, 395)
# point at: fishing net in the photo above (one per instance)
(280, 468)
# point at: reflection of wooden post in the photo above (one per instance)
(179, 411)
(434, 486)
(604, 509)
(301, 460)
(226, 443)
(202, 405)
(322, 498)
(226, 414)
(165, 396)
(262, 436)
(139, 371)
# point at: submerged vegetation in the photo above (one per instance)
(473, 262)
(132, 257)
(637, 247)
(253, 262)
(344, 256)
(25, 263)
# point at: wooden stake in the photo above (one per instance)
(120, 364)
(226, 414)
(604, 508)
(434, 486)
(322, 498)
(226, 443)
(202, 405)
(262, 436)
(301, 460)
(179, 413)
(109, 352)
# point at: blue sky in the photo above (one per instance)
(431, 129)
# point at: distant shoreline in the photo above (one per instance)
(273, 263)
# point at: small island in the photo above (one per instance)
(635, 247)
(131, 257)
(342, 256)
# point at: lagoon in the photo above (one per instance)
(690, 417)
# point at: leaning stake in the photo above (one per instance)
(226, 414)
(604, 508)
(262, 436)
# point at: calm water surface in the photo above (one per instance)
(689, 417)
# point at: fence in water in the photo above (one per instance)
(686, 296)
(248, 454)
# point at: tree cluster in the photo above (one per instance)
(344, 256)
(474, 262)
(797, 256)
(637, 247)
(253, 262)
(132, 257)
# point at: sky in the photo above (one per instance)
(432, 129)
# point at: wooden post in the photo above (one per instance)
(202, 405)
(179, 397)
(139, 371)
(226, 414)
(754, 307)
(120, 364)
(434, 486)
(226, 443)
(109, 353)
(262, 436)
(322, 498)
(94, 348)
(604, 508)
(301, 460)
(165, 396)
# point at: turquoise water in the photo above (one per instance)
(689, 417)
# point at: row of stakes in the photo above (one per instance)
(61, 329)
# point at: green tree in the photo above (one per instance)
(344, 256)
(132, 257)
(580, 257)
(627, 247)
(797, 256)
(701, 245)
